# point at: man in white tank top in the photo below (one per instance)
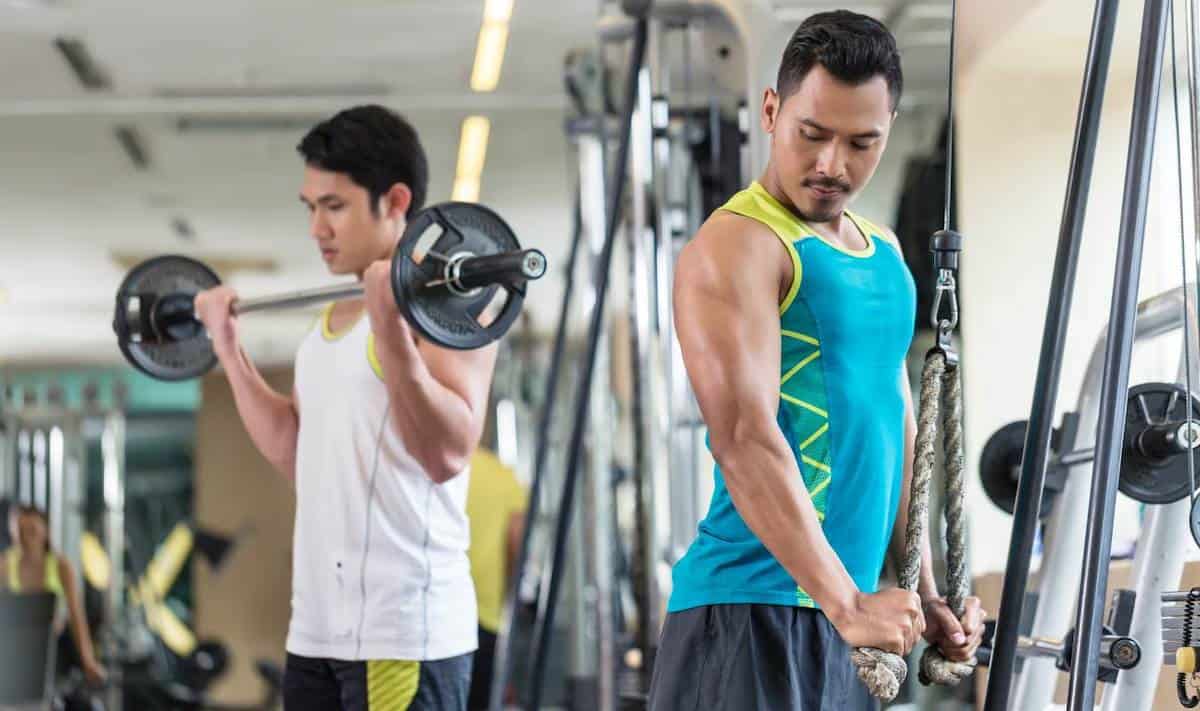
(376, 437)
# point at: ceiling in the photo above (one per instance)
(214, 97)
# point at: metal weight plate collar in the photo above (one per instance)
(154, 353)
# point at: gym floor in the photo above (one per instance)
(131, 130)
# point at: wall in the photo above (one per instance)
(248, 602)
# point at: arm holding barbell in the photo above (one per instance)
(271, 419)
(440, 395)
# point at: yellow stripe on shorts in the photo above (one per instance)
(391, 684)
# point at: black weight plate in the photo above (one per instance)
(1196, 521)
(439, 314)
(1152, 480)
(154, 355)
(999, 462)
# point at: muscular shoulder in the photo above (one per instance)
(729, 246)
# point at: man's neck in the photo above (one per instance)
(384, 254)
(829, 229)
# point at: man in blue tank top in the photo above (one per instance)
(795, 317)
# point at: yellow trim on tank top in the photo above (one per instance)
(807, 406)
(51, 582)
(814, 436)
(866, 233)
(800, 337)
(373, 358)
(875, 230)
(787, 216)
(800, 366)
(758, 205)
(820, 466)
(328, 333)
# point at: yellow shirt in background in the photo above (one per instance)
(493, 496)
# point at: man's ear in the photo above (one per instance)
(396, 201)
(770, 110)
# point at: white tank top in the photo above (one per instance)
(379, 558)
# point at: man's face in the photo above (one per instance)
(349, 235)
(826, 140)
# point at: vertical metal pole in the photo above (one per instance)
(641, 366)
(1111, 429)
(585, 636)
(24, 490)
(112, 447)
(56, 478)
(601, 534)
(647, 165)
(1193, 76)
(575, 447)
(8, 433)
(578, 597)
(74, 488)
(1035, 685)
(500, 668)
(1159, 559)
(41, 472)
(1037, 439)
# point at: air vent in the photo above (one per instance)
(79, 58)
(223, 265)
(313, 91)
(245, 124)
(183, 229)
(133, 145)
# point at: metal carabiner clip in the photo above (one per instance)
(947, 286)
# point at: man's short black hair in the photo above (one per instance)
(853, 48)
(373, 145)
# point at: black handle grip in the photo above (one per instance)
(174, 317)
(946, 246)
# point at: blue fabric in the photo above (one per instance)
(846, 335)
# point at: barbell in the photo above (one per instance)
(1159, 434)
(458, 276)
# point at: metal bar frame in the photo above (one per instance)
(1111, 430)
(1034, 688)
(575, 446)
(1037, 438)
(504, 635)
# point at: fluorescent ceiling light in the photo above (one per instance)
(497, 11)
(472, 152)
(465, 190)
(489, 56)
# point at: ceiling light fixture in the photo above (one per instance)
(489, 51)
(472, 152)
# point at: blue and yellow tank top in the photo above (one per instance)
(847, 324)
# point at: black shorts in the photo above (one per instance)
(481, 671)
(754, 658)
(377, 685)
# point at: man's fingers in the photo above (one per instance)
(973, 617)
(952, 629)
